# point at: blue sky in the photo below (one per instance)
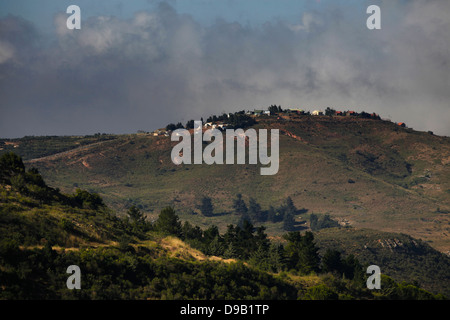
(139, 64)
(254, 12)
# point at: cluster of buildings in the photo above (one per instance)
(259, 112)
(161, 133)
(314, 112)
(222, 125)
(218, 125)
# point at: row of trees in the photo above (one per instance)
(298, 254)
(253, 212)
(246, 242)
(251, 244)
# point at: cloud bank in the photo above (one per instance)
(121, 75)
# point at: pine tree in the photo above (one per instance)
(301, 252)
(206, 207)
(215, 247)
(239, 205)
(309, 258)
(136, 215)
(289, 222)
(258, 258)
(272, 214)
(168, 222)
(230, 252)
(274, 258)
(332, 262)
(255, 212)
(10, 165)
(290, 207)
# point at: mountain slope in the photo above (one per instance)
(398, 255)
(370, 173)
(42, 231)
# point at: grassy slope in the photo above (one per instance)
(401, 176)
(32, 224)
(32, 147)
(92, 236)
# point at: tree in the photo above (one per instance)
(230, 252)
(135, 214)
(83, 198)
(171, 127)
(327, 222)
(332, 262)
(258, 258)
(288, 221)
(239, 205)
(206, 207)
(330, 112)
(10, 165)
(215, 247)
(274, 258)
(261, 237)
(301, 252)
(317, 223)
(255, 212)
(190, 232)
(289, 215)
(290, 207)
(168, 222)
(34, 177)
(190, 124)
(309, 257)
(274, 109)
(243, 220)
(313, 222)
(210, 234)
(353, 270)
(273, 215)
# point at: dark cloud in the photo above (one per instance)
(119, 76)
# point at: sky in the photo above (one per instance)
(141, 64)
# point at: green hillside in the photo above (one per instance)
(363, 172)
(43, 231)
(398, 255)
